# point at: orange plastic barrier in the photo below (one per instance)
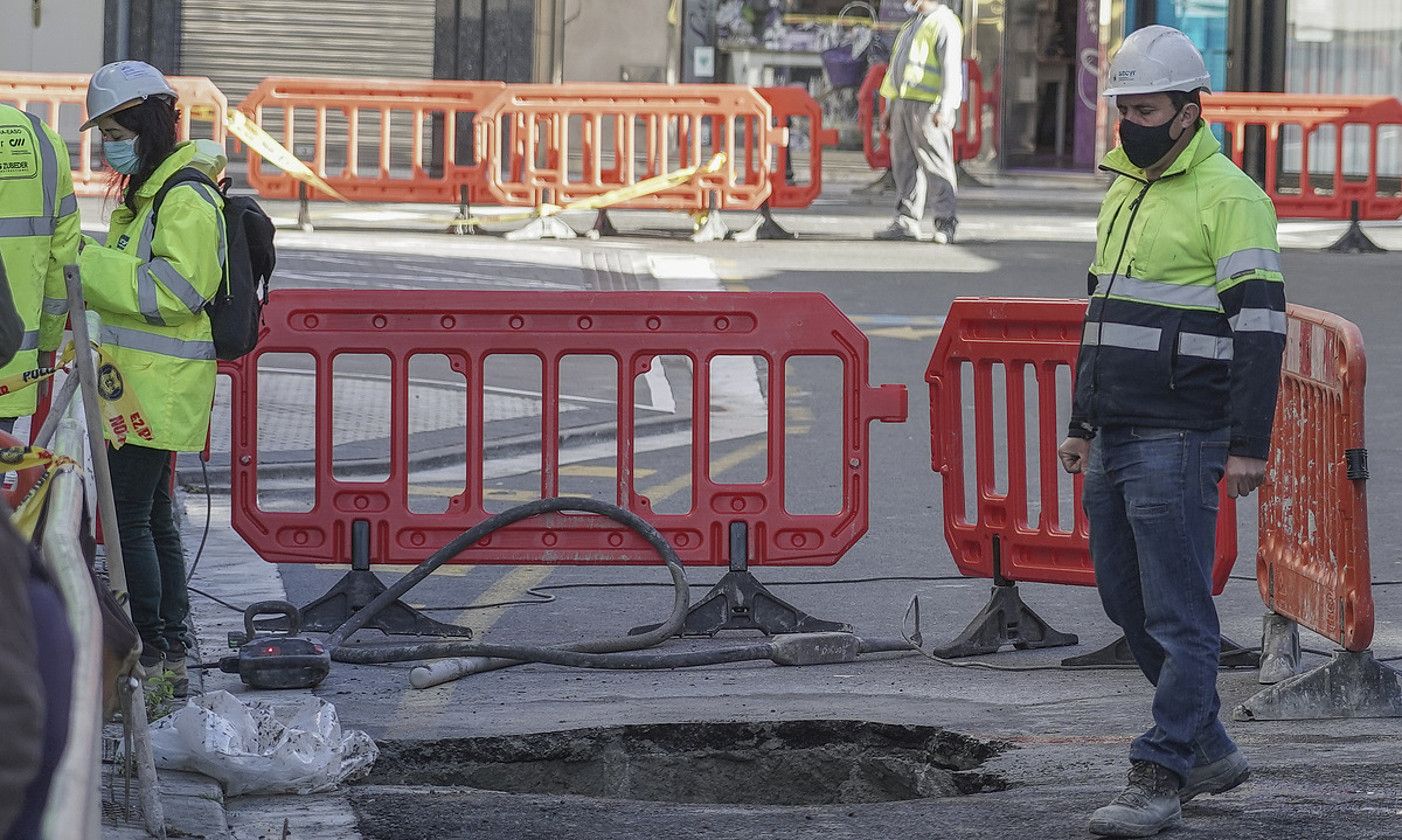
(564, 143)
(1291, 125)
(1313, 564)
(1013, 529)
(419, 134)
(795, 104)
(60, 99)
(968, 134)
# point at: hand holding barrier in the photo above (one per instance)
(563, 143)
(968, 132)
(60, 99)
(419, 127)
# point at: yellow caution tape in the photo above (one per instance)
(648, 186)
(20, 381)
(27, 512)
(273, 152)
(16, 458)
(120, 408)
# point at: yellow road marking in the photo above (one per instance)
(599, 471)
(907, 333)
(418, 706)
(719, 465)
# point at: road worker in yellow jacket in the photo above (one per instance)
(38, 237)
(150, 282)
(1176, 387)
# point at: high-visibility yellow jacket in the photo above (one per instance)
(150, 283)
(925, 60)
(38, 236)
(1186, 323)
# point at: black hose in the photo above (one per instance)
(505, 655)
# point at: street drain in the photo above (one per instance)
(809, 762)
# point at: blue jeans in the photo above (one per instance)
(1151, 497)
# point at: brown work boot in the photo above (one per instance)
(1147, 805)
(175, 671)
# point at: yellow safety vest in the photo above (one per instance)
(150, 283)
(915, 71)
(39, 235)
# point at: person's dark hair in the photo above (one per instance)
(1179, 98)
(154, 123)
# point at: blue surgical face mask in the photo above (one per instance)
(121, 155)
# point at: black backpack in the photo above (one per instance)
(236, 310)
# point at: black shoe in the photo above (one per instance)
(1218, 777)
(1147, 805)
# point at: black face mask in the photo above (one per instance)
(1146, 145)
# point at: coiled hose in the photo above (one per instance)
(460, 658)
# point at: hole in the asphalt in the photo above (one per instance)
(826, 762)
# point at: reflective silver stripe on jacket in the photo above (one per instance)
(202, 190)
(68, 205)
(27, 226)
(1128, 336)
(29, 341)
(55, 306)
(161, 270)
(1215, 347)
(50, 163)
(1259, 320)
(152, 343)
(1248, 259)
(44, 224)
(1148, 291)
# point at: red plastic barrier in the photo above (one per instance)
(415, 137)
(1032, 344)
(1313, 565)
(789, 104)
(1286, 119)
(968, 134)
(632, 328)
(547, 143)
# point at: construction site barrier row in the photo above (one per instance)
(968, 129)
(61, 101)
(1306, 168)
(630, 329)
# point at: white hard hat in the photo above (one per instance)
(1157, 59)
(121, 84)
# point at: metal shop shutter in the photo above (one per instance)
(237, 43)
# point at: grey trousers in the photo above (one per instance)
(922, 161)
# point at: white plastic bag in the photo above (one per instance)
(259, 748)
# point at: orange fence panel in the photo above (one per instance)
(60, 99)
(564, 143)
(1000, 378)
(1306, 170)
(968, 134)
(790, 104)
(1313, 565)
(418, 135)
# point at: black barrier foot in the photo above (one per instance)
(458, 228)
(1006, 620)
(603, 225)
(713, 229)
(304, 209)
(1351, 685)
(1280, 649)
(740, 602)
(1355, 241)
(765, 227)
(358, 588)
(1118, 653)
